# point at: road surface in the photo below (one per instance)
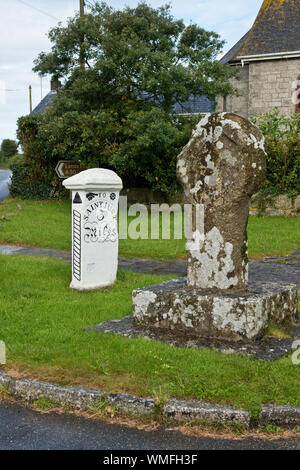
(5, 176)
(22, 428)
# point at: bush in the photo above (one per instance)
(19, 158)
(282, 136)
(9, 148)
(141, 147)
(6, 164)
(148, 155)
(33, 173)
(22, 185)
(89, 138)
(46, 139)
(25, 187)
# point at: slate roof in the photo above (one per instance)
(234, 51)
(276, 29)
(44, 104)
(195, 105)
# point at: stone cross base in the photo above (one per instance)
(199, 313)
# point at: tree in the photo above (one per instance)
(117, 111)
(9, 148)
(139, 55)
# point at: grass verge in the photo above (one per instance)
(47, 224)
(111, 415)
(43, 322)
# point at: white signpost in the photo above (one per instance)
(2, 353)
(95, 196)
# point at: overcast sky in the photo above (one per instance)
(23, 32)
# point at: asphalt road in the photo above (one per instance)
(25, 429)
(4, 181)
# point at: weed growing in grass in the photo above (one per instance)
(254, 411)
(67, 407)
(44, 404)
(273, 429)
(104, 409)
(4, 394)
(99, 407)
(276, 332)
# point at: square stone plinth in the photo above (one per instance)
(197, 313)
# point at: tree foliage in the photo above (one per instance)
(117, 112)
(139, 55)
(282, 134)
(9, 148)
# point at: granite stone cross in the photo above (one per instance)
(220, 168)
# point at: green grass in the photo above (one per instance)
(276, 332)
(270, 236)
(47, 224)
(44, 404)
(43, 322)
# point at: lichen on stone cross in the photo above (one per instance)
(220, 168)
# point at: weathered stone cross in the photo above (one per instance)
(222, 166)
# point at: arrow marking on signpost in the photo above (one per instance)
(67, 168)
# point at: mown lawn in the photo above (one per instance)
(47, 224)
(42, 323)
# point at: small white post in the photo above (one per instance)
(95, 196)
(2, 353)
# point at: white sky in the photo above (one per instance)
(23, 32)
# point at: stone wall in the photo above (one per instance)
(263, 86)
(239, 103)
(282, 205)
(271, 85)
